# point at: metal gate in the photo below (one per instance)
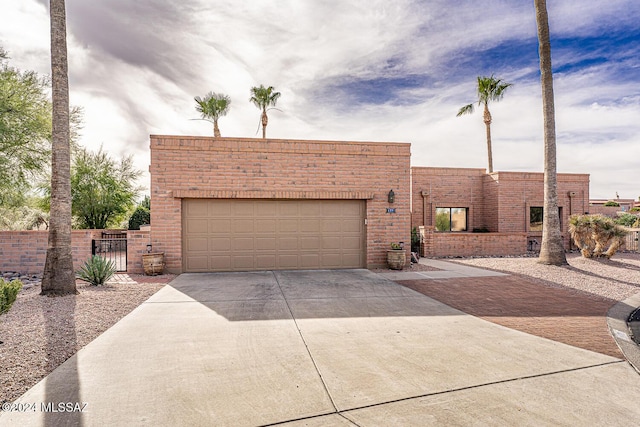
(112, 246)
(631, 243)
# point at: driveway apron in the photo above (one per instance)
(340, 347)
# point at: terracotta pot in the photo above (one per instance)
(396, 259)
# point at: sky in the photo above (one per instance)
(354, 70)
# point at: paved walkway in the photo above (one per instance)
(560, 314)
(324, 348)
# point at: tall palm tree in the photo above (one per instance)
(552, 247)
(212, 107)
(263, 97)
(59, 277)
(489, 89)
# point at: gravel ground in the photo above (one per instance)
(616, 279)
(39, 333)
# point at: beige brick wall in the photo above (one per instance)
(137, 241)
(201, 167)
(445, 188)
(25, 251)
(499, 201)
(471, 244)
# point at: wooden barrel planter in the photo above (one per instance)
(396, 259)
(153, 263)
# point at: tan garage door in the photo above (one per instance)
(241, 235)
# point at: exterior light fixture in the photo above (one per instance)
(391, 197)
(149, 248)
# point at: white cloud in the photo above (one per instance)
(136, 66)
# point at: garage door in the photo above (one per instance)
(241, 235)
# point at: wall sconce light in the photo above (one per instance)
(149, 248)
(391, 197)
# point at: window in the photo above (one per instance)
(451, 219)
(535, 217)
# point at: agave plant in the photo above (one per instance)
(97, 270)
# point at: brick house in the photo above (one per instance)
(224, 204)
(456, 207)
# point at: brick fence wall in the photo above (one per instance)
(25, 251)
(472, 244)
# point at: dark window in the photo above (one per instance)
(451, 219)
(535, 218)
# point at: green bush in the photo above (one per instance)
(139, 217)
(8, 293)
(612, 203)
(96, 270)
(626, 219)
(634, 210)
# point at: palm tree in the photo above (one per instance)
(489, 89)
(263, 97)
(552, 247)
(212, 107)
(59, 277)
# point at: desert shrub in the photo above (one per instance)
(96, 270)
(637, 223)
(626, 219)
(596, 235)
(8, 293)
(635, 209)
(612, 203)
(139, 217)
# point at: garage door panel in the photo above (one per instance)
(310, 225)
(218, 209)
(219, 225)
(243, 208)
(310, 260)
(232, 234)
(196, 263)
(351, 243)
(265, 262)
(243, 262)
(199, 208)
(266, 226)
(288, 210)
(288, 262)
(266, 244)
(242, 244)
(220, 262)
(331, 260)
(198, 245)
(310, 242)
(197, 225)
(243, 226)
(219, 243)
(331, 226)
(351, 226)
(331, 242)
(288, 225)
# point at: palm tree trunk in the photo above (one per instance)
(59, 277)
(216, 130)
(552, 247)
(487, 123)
(265, 122)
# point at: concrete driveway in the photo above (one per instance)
(324, 348)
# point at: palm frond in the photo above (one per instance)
(467, 109)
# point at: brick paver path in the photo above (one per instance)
(560, 314)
